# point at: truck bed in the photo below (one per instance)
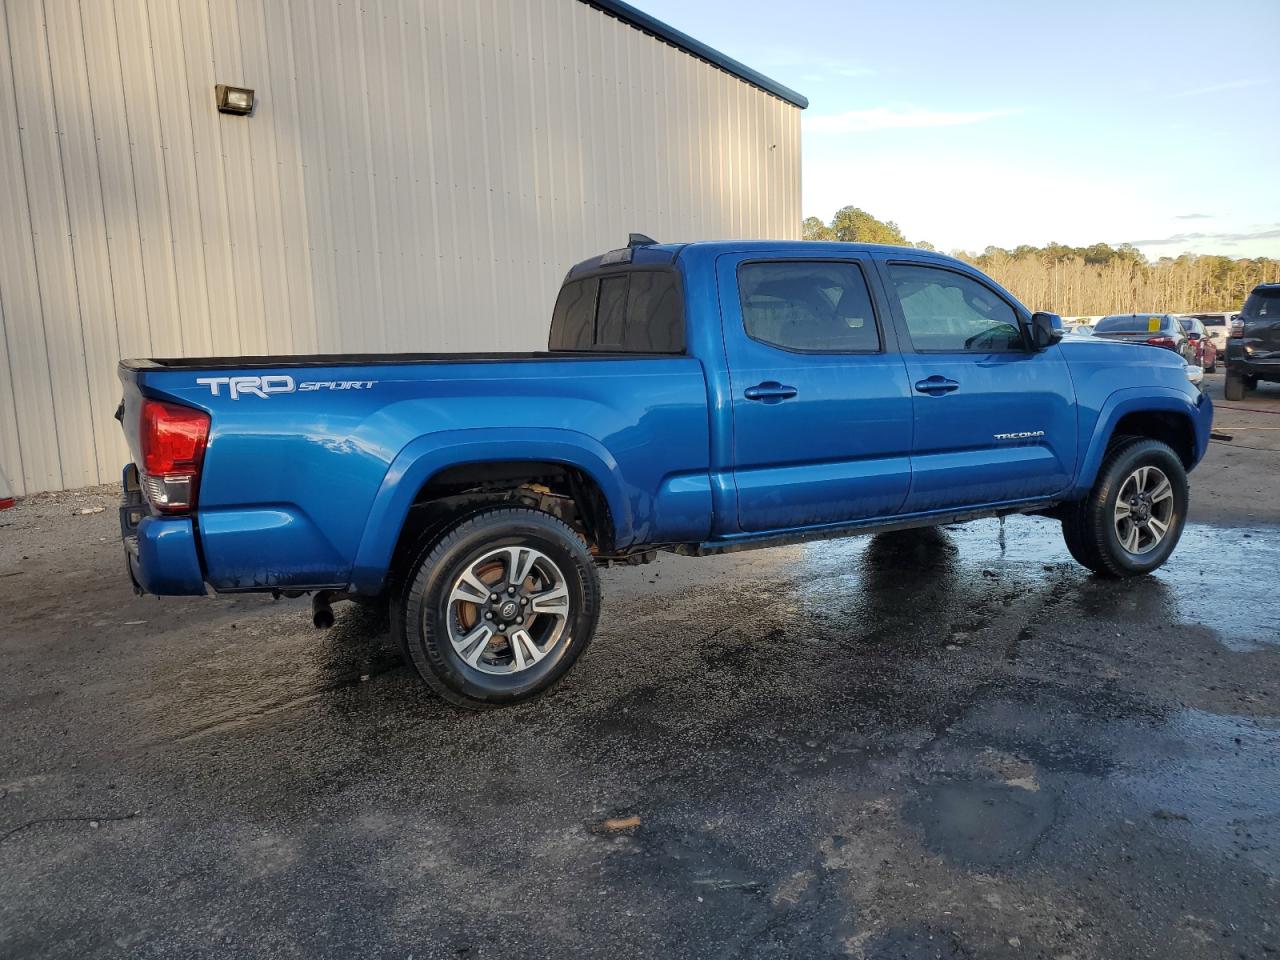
(297, 471)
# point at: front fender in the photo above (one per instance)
(1146, 399)
(426, 456)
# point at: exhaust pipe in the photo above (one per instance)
(322, 610)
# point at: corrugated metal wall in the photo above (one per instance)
(418, 175)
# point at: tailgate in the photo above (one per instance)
(1262, 339)
(129, 413)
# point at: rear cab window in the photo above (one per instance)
(1262, 304)
(1137, 323)
(632, 311)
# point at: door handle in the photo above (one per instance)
(936, 385)
(771, 391)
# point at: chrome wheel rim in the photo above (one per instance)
(508, 610)
(1144, 510)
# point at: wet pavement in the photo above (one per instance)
(941, 744)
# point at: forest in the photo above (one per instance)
(1083, 281)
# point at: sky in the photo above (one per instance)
(998, 122)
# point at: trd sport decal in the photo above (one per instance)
(276, 383)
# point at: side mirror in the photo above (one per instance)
(1046, 329)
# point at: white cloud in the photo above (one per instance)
(1219, 87)
(1187, 238)
(886, 118)
(817, 67)
(843, 71)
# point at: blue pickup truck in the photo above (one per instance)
(697, 398)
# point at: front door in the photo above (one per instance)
(822, 409)
(994, 420)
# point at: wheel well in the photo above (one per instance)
(556, 488)
(1171, 428)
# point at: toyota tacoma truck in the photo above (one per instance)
(695, 398)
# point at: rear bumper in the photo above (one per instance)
(1239, 362)
(1263, 371)
(160, 551)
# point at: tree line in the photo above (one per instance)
(1083, 281)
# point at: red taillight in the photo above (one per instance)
(173, 439)
(1161, 342)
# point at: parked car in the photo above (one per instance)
(1217, 325)
(1152, 329)
(7, 499)
(1080, 329)
(1253, 349)
(697, 398)
(1203, 347)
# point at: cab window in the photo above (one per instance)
(808, 306)
(949, 312)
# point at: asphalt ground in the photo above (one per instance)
(950, 744)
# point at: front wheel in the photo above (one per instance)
(498, 607)
(1133, 517)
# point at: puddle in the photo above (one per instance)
(1212, 780)
(1221, 579)
(981, 825)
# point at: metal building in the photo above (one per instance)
(415, 175)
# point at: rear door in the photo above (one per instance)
(821, 406)
(994, 421)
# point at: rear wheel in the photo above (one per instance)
(498, 607)
(1132, 519)
(1233, 387)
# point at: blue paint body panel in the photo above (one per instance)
(163, 557)
(309, 486)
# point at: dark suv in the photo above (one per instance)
(1253, 348)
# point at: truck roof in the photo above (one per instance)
(662, 254)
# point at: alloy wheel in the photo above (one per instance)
(1144, 510)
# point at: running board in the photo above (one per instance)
(862, 528)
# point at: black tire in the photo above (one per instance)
(1089, 526)
(420, 614)
(1233, 386)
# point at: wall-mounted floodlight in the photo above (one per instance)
(237, 100)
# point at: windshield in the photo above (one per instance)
(1130, 323)
(1263, 303)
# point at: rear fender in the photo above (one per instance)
(1147, 399)
(425, 457)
